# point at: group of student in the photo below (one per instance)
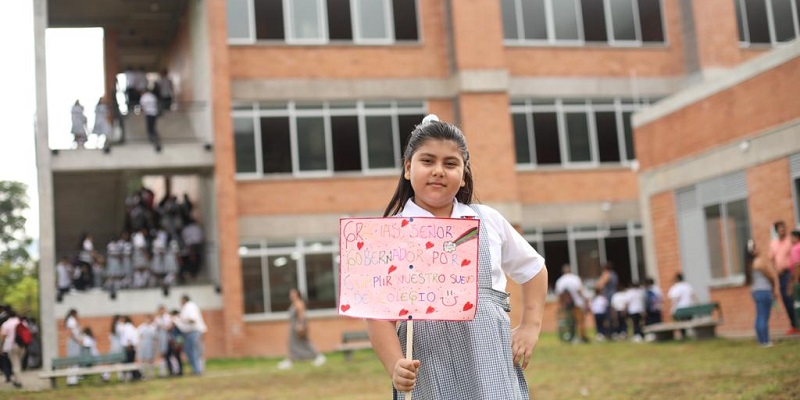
(148, 98)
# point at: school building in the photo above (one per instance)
(654, 134)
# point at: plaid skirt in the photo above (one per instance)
(467, 360)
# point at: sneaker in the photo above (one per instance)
(768, 344)
(637, 339)
(16, 384)
(285, 364)
(319, 360)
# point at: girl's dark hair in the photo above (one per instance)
(72, 312)
(749, 257)
(431, 130)
(114, 321)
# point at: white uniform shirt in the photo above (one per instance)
(573, 284)
(680, 294)
(9, 330)
(619, 301)
(63, 275)
(635, 298)
(510, 253)
(129, 335)
(149, 103)
(190, 312)
(599, 305)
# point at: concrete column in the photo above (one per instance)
(230, 269)
(47, 253)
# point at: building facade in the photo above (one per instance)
(301, 110)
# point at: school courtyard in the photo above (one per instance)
(716, 369)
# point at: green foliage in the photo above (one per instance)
(13, 240)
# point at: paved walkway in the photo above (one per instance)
(30, 382)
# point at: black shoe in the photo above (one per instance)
(17, 384)
(158, 148)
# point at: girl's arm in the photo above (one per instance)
(525, 336)
(384, 340)
(767, 269)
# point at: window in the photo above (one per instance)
(271, 269)
(573, 132)
(587, 248)
(576, 22)
(727, 231)
(322, 21)
(767, 21)
(323, 138)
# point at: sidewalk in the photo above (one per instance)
(30, 382)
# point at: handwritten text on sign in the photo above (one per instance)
(408, 268)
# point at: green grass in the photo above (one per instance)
(717, 369)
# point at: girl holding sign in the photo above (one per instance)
(482, 358)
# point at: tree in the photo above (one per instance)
(13, 240)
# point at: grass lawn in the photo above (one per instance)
(717, 369)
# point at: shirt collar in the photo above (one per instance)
(411, 209)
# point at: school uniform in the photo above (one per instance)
(473, 359)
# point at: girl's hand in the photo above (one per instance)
(404, 376)
(523, 341)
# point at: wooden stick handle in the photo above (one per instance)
(409, 346)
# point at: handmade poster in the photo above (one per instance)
(408, 268)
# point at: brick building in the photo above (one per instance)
(298, 111)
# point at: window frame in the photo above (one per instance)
(744, 27)
(388, 27)
(362, 109)
(552, 40)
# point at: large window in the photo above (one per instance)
(568, 132)
(322, 21)
(580, 22)
(727, 232)
(586, 248)
(271, 268)
(767, 21)
(320, 139)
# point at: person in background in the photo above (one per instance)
(600, 309)
(149, 103)
(635, 300)
(619, 314)
(78, 124)
(763, 282)
(780, 250)
(129, 339)
(165, 91)
(300, 347)
(11, 357)
(148, 336)
(681, 295)
(571, 283)
(102, 126)
(794, 255)
(63, 278)
(191, 324)
(74, 339)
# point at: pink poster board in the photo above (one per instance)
(408, 268)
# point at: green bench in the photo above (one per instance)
(352, 341)
(87, 364)
(700, 319)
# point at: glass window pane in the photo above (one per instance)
(252, 285)
(556, 252)
(245, 144)
(305, 19)
(650, 21)
(738, 229)
(618, 255)
(784, 20)
(269, 19)
(276, 146)
(534, 21)
(344, 135)
(405, 20)
(607, 138)
(565, 17)
(406, 124)
(545, 135)
(320, 281)
(626, 125)
(340, 26)
(588, 254)
(739, 20)
(372, 19)
(509, 9)
(757, 21)
(594, 21)
(311, 152)
(521, 141)
(716, 253)
(380, 142)
(578, 137)
(640, 258)
(282, 278)
(238, 14)
(622, 19)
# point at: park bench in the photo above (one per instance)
(87, 364)
(352, 341)
(699, 318)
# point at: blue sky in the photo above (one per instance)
(74, 70)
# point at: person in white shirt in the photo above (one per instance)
(149, 103)
(191, 324)
(165, 90)
(599, 307)
(681, 294)
(74, 339)
(63, 278)
(129, 338)
(635, 299)
(619, 310)
(570, 283)
(11, 357)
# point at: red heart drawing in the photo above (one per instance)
(345, 307)
(467, 306)
(430, 310)
(428, 245)
(404, 223)
(465, 263)
(360, 245)
(403, 312)
(391, 269)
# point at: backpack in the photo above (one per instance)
(652, 302)
(23, 336)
